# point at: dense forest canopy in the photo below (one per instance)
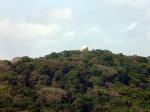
(75, 81)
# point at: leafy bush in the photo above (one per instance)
(74, 81)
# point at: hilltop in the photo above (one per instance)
(76, 81)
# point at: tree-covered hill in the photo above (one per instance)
(75, 81)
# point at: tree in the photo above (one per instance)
(82, 104)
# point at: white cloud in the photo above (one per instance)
(130, 27)
(95, 29)
(147, 15)
(148, 34)
(54, 15)
(131, 3)
(65, 13)
(67, 36)
(39, 33)
(26, 30)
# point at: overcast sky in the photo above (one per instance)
(39, 27)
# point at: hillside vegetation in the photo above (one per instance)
(75, 81)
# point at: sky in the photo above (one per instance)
(38, 27)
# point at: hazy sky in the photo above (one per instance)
(39, 27)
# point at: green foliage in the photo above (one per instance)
(82, 104)
(74, 81)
